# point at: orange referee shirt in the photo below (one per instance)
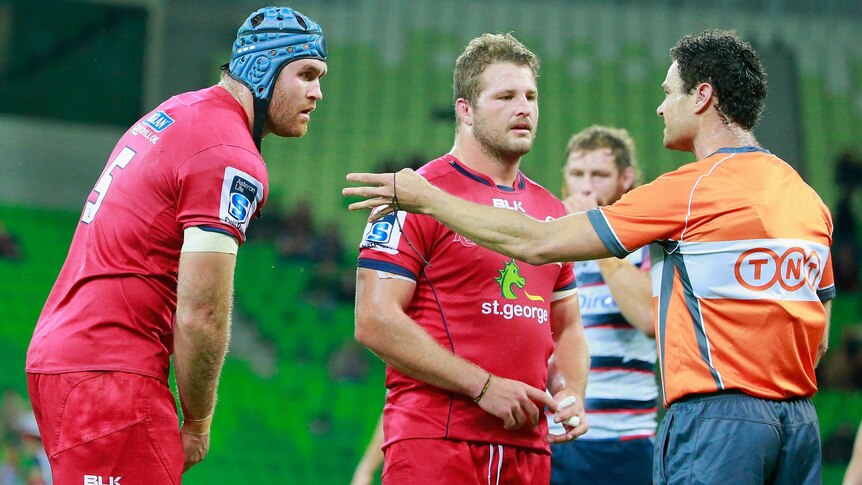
(745, 267)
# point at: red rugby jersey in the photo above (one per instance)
(482, 305)
(189, 162)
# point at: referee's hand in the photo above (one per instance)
(515, 402)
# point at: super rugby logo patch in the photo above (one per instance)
(385, 234)
(240, 196)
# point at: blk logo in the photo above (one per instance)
(97, 480)
(514, 205)
(759, 269)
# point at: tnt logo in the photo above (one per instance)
(159, 121)
(97, 480)
(514, 205)
(759, 269)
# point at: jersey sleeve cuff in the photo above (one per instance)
(826, 294)
(606, 233)
(387, 267)
(564, 293)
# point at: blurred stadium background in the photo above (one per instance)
(299, 397)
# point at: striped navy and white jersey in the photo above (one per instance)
(622, 391)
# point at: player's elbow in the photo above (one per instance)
(646, 321)
(545, 246)
(535, 259)
(201, 317)
(361, 332)
(649, 330)
(821, 351)
(367, 328)
(536, 253)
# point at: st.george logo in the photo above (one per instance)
(510, 276)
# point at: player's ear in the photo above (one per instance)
(704, 93)
(464, 112)
(628, 176)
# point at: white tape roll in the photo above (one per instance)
(568, 401)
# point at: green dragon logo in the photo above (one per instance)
(510, 275)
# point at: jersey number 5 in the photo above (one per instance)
(104, 184)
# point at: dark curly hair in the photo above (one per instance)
(722, 59)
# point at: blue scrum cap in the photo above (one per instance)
(270, 39)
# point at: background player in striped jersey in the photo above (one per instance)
(150, 269)
(743, 285)
(616, 312)
(466, 332)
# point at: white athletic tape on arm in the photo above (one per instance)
(384, 275)
(196, 240)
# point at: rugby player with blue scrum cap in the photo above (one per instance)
(268, 41)
(150, 269)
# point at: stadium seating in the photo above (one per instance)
(300, 423)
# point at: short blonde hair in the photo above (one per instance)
(617, 140)
(481, 52)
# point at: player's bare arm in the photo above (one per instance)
(630, 287)
(383, 326)
(824, 341)
(632, 291)
(570, 366)
(853, 475)
(372, 458)
(570, 238)
(201, 335)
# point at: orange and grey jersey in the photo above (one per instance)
(738, 289)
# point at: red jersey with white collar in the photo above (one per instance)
(481, 305)
(190, 162)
